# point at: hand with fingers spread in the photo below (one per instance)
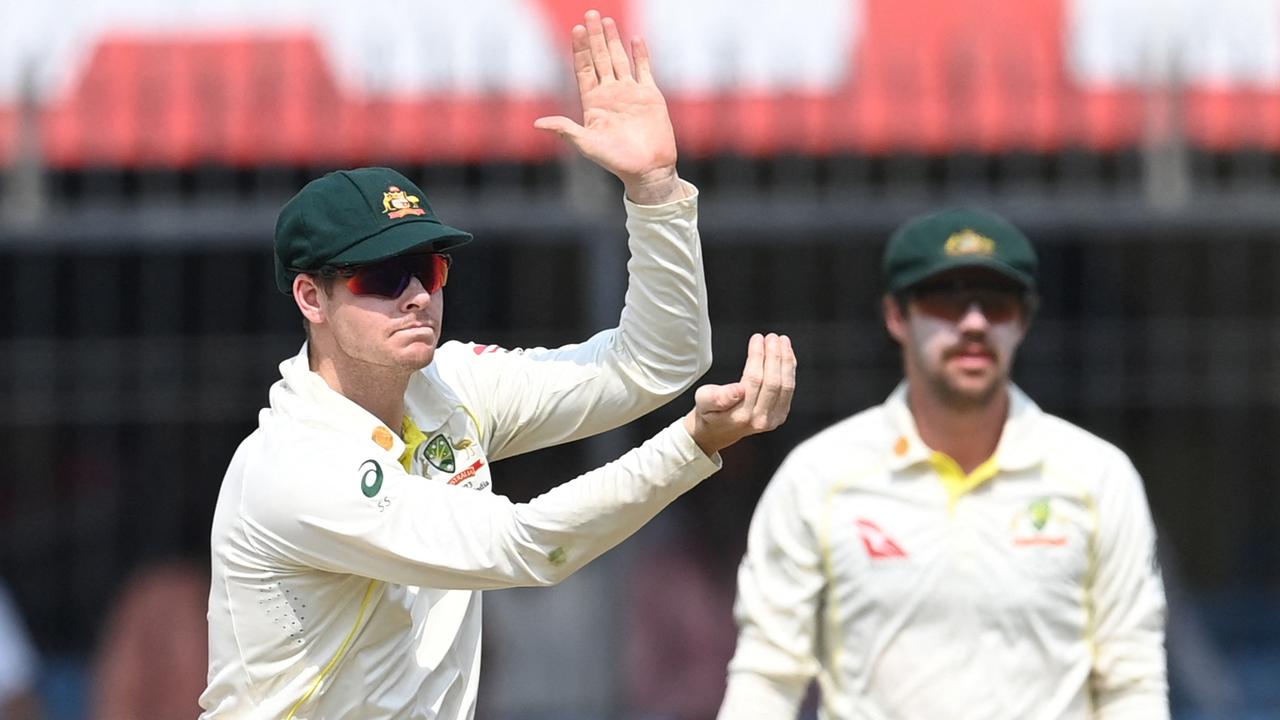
(759, 402)
(625, 126)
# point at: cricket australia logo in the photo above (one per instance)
(397, 203)
(370, 478)
(969, 242)
(439, 453)
(1038, 525)
(1039, 511)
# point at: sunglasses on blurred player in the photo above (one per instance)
(951, 299)
(389, 278)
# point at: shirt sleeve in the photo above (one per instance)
(1129, 675)
(343, 513)
(533, 398)
(780, 583)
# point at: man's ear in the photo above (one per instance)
(306, 293)
(895, 319)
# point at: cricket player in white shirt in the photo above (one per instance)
(356, 524)
(955, 552)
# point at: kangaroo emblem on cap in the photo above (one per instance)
(969, 242)
(396, 203)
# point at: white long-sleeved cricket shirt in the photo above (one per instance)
(346, 557)
(1027, 589)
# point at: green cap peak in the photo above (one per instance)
(356, 217)
(958, 238)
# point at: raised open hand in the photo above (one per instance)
(759, 402)
(625, 125)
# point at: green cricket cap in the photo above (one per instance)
(958, 238)
(355, 217)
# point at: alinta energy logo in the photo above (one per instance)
(877, 542)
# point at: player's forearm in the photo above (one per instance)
(451, 538)
(662, 344)
(665, 331)
(562, 530)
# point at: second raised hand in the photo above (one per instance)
(625, 128)
(759, 402)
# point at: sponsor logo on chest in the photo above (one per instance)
(877, 542)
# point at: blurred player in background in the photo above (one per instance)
(19, 664)
(153, 654)
(355, 525)
(955, 552)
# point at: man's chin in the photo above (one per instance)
(969, 393)
(417, 355)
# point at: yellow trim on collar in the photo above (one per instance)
(413, 437)
(954, 479)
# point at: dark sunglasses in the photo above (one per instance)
(950, 300)
(390, 277)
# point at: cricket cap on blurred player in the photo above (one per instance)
(959, 238)
(356, 217)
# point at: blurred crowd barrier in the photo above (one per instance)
(148, 83)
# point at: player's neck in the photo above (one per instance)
(378, 390)
(968, 434)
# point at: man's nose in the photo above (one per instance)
(415, 293)
(974, 317)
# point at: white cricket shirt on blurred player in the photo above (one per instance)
(1026, 589)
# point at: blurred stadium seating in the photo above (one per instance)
(146, 147)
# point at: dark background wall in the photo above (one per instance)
(135, 353)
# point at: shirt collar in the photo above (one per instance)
(304, 396)
(906, 448)
(1021, 444)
